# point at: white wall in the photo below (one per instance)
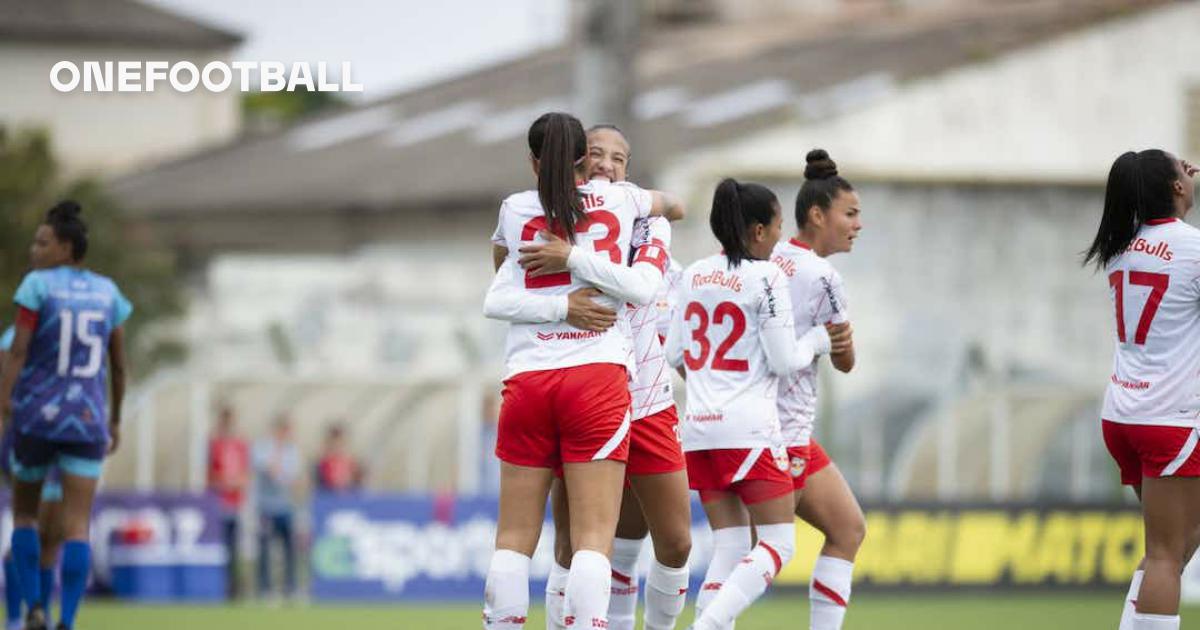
(110, 133)
(1058, 111)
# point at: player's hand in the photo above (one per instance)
(841, 337)
(551, 257)
(585, 314)
(114, 437)
(1190, 169)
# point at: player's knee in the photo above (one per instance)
(780, 539)
(674, 550)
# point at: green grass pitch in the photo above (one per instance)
(782, 611)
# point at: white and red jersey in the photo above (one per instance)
(668, 297)
(818, 298)
(727, 322)
(651, 387)
(1155, 287)
(612, 209)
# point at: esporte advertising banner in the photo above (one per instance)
(428, 548)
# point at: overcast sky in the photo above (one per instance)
(393, 45)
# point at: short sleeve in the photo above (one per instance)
(32, 292)
(498, 234)
(831, 303)
(122, 308)
(774, 300)
(6, 338)
(641, 198)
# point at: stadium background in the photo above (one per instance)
(325, 257)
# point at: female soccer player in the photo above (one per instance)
(566, 398)
(734, 333)
(69, 322)
(827, 219)
(656, 496)
(1152, 260)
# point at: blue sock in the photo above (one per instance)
(76, 563)
(26, 553)
(47, 578)
(12, 589)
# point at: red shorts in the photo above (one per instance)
(654, 446)
(806, 462)
(753, 474)
(1143, 450)
(568, 415)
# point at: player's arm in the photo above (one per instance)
(506, 301)
(636, 284)
(841, 352)
(666, 205)
(117, 379)
(499, 253)
(777, 333)
(18, 353)
(833, 309)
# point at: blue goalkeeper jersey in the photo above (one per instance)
(61, 394)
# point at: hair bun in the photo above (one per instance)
(67, 209)
(820, 166)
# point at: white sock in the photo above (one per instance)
(730, 545)
(776, 544)
(1135, 585)
(1146, 621)
(666, 593)
(588, 588)
(506, 594)
(556, 590)
(622, 603)
(829, 592)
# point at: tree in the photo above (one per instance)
(30, 183)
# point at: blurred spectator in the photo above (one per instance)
(337, 470)
(228, 477)
(277, 472)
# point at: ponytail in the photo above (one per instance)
(558, 143)
(1138, 190)
(735, 208)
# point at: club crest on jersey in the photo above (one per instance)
(798, 466)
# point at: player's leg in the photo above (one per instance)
(51, 533)
(626, 549)
(12, 594)
(556, 584)
(594, 421)
(666, 506)
(828, 504)
(31, 462)
(523, 492)
(526, 444)
(594, 500)
(727, 518)
(765, 488)
(1171, 509)
(287, 537)
(80, 475)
